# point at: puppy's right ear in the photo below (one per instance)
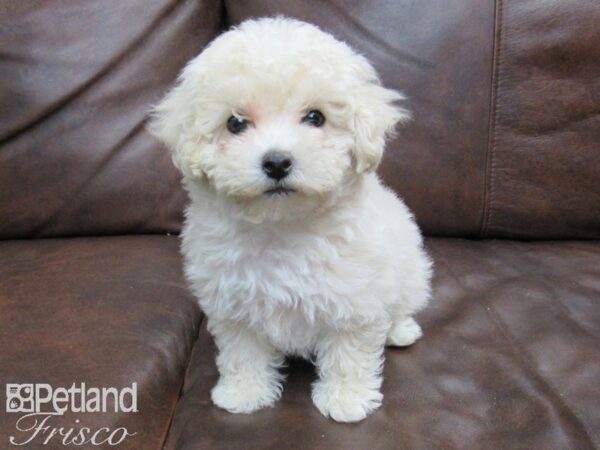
(171, 121)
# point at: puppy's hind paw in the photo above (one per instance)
(404, 332)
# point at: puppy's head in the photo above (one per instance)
(278, 117)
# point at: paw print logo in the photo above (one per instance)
(19, 398)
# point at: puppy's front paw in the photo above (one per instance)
(243, 394)
(404, 333)
(345, 401)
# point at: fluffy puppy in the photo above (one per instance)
(291, 243)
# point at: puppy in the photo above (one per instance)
(291, 243)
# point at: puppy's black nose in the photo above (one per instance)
(277, 164)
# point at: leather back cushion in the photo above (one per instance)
(505, 136)
(76, 82)
(504, 141)
(544, 153)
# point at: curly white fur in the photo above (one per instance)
(334, 269)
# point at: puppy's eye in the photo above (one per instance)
(314, 118)
(236, 125)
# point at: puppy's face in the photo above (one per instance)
(276, 147)
(278, 117)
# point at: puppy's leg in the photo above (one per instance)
(349, 366)
(248, 367)
(414, 296)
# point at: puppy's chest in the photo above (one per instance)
(266, 273)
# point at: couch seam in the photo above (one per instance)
(182, 384)
(488, 186)
(224, 23)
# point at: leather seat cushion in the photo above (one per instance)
(509, 359)
(104, 311)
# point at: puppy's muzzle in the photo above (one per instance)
(277, 164)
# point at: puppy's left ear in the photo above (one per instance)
(375, 117)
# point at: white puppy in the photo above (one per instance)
(292, 245)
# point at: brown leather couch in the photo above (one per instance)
(501, 165)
